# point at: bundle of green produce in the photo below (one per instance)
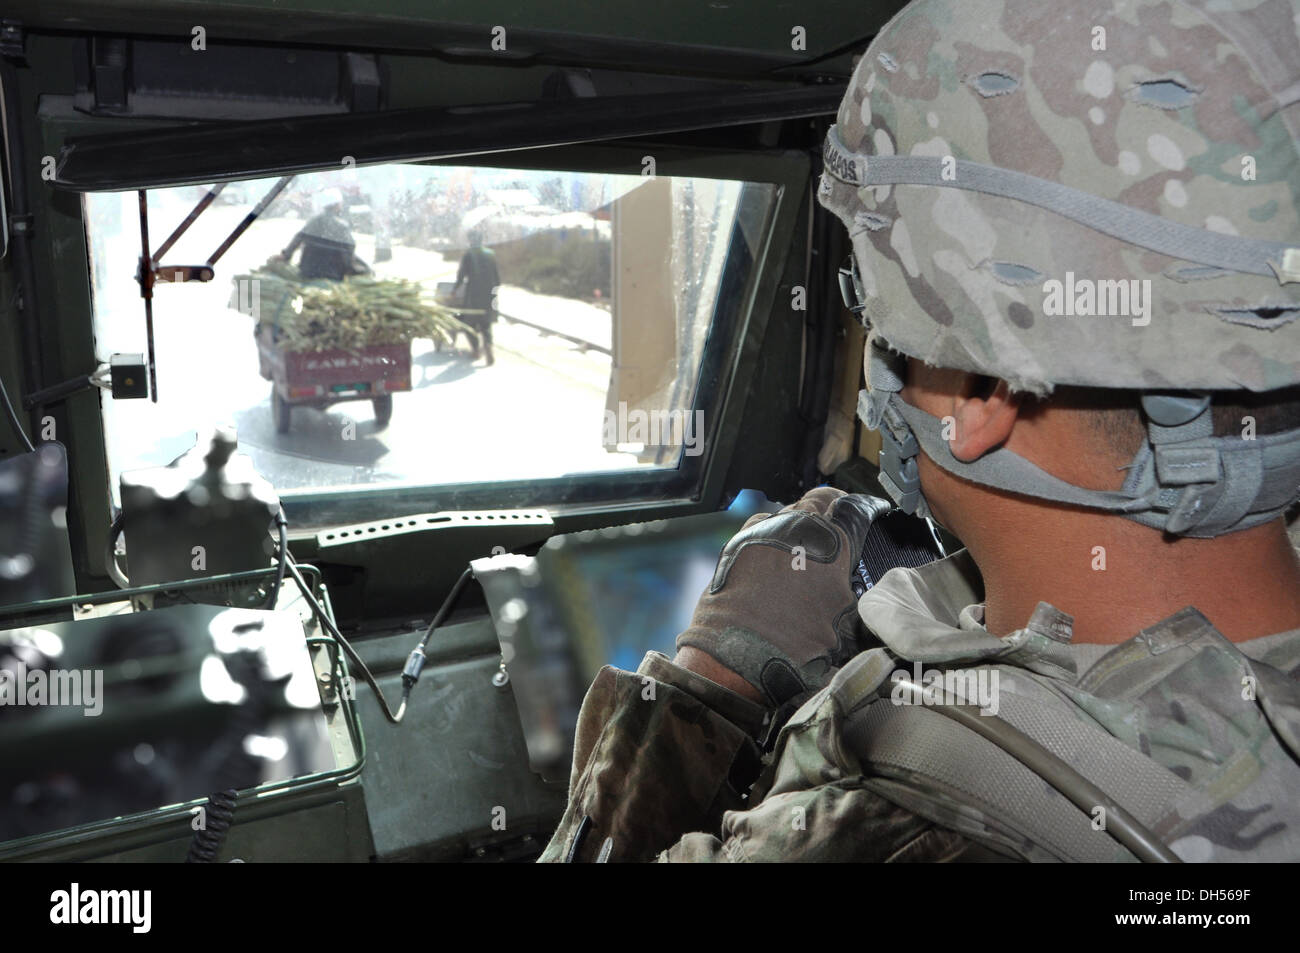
(320, 315)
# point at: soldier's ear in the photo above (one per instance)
(982, 419)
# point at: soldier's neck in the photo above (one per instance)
(1117, 577)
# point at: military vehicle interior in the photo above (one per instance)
(366, 590)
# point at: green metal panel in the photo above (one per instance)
(312, 828)
(308, 819)
(750, 37)
(433, 782)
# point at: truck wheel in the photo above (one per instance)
(280, 411)
(383, 410)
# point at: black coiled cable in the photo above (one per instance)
(237, 769)
(220, 815)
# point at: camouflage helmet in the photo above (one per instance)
(1104, 194)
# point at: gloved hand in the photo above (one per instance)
(780, 611)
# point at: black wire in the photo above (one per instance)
(13, 418)
(110, 553)
(408, 681)
(395, 718)
(415, 661)
(283, 559)
(220, 814)
(236, 768)
(445, 609)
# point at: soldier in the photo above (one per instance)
(1077, 249)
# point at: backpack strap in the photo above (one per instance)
(948, 773)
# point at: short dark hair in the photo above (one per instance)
(1116, 415)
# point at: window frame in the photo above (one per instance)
(319, 509)
(599, 499)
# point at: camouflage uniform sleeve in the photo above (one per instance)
(658, 754)
(660, 764)
(836, 822)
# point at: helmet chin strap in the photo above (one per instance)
(1183, 480)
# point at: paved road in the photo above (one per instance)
(536, 413)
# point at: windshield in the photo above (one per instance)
(421, 325)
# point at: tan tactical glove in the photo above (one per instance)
(780, 611)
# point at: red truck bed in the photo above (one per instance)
(310, 376)
(321, 378)
(375, 369)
